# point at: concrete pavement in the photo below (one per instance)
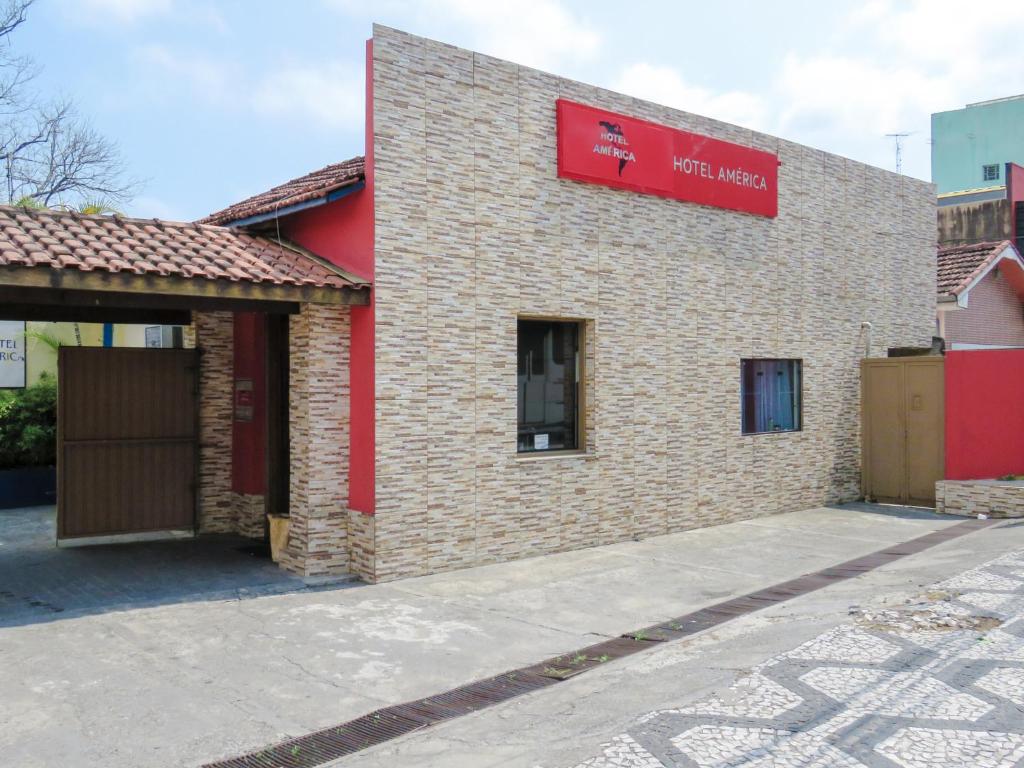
(187, 683)
(39, 582)
(578, 723)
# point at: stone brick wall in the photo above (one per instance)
(319, 424)
(993, 315)
(214, 335)
(248, 514)
(974, 497)
(473, 229)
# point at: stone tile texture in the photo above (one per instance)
(474, 229)
(970, 498)
(936, 683)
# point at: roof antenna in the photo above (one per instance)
(898, 141)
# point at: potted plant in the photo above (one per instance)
(28, 444)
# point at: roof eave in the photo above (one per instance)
(334, 194)
(199, 287)
(996, 255)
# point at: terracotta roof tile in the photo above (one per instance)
(304, 188)
(958, 265)
(66, 240)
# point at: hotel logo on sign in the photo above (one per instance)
(601, 147)
(612, 143)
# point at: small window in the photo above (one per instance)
(771, 395)
(549, 379)
(990, 172)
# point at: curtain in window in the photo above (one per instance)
(771, 395)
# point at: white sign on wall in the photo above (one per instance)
(12, 354)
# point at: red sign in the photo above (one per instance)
(602, 147)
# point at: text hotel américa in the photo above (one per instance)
(620, 152)
(706, 170)
(618, 148)
(597, 146)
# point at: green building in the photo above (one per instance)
(971, 146)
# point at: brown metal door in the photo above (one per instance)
(126, 440)
(903, 429)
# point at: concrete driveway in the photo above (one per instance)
(191, 682)
(40, 583)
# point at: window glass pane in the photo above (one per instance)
(770, 395)
(548, 372)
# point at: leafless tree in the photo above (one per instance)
(49, 155)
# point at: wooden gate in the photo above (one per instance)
(903, 420)
(126, 440)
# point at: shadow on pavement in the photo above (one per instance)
(40, 582)
(895, 510)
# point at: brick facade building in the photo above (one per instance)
(981, 296)
(550, 364)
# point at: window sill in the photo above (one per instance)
(552, 455)
(772, 432)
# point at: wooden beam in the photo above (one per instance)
(73, 279)
(115, 300)
(55, 313)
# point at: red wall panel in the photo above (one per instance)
(342, 232)
(984, 413)
(248, 457)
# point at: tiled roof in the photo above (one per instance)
(958, 265)
(303, 189)
(73, 241)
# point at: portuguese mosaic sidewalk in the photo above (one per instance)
(938, 681)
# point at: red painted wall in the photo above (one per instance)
(342, 232)
(248, 457)
(1015, 193)
(984, 413)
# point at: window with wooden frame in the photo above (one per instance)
(771, 395)
(550, 375)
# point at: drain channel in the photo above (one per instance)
(321, 747)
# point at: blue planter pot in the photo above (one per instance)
(28, 487)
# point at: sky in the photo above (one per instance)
(211, 101)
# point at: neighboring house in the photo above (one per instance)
(984, 215)
(977, 159)
(980, 293)
(970, 146)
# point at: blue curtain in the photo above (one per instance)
(776, 395)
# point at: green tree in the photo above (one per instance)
(28, 425)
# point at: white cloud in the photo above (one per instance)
(120, 10)
(890, 65)
(323, 96)
(942, 31)
(206, 76)
(849, 105)
(844, 93)
(120, 13)
(664, 85)
(537, 33)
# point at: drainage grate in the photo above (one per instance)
(389, 723)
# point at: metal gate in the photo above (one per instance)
(126, 440)
(903, 421)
